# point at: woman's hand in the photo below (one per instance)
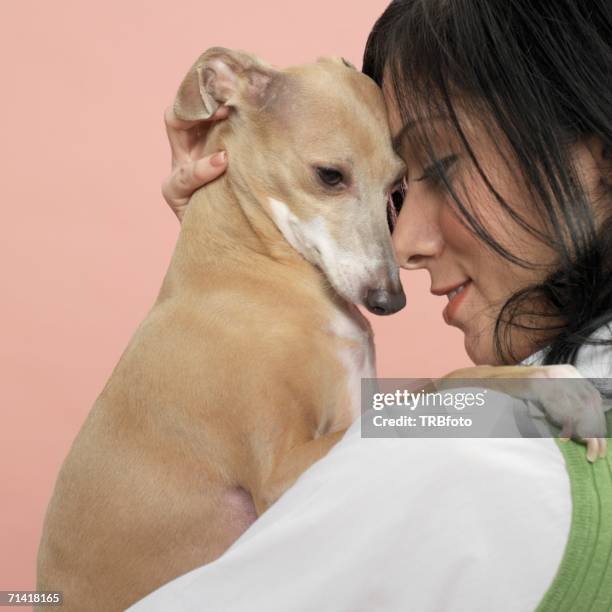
(190, 169)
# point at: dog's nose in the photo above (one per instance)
(382, 302)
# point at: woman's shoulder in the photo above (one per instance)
(473, 508)
(467, 462)
(396, 524)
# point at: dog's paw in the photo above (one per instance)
(574, 404)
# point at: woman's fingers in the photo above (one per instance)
(185, 135)
(189, 176)
(190, 171)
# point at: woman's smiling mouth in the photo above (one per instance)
(451, 294)
(456, 295)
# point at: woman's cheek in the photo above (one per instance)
(456, 235)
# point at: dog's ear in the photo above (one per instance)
(222, 76)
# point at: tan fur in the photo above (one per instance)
(232, 385)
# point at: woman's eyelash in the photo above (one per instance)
(395, 200)
(396, 197)
(438, 169)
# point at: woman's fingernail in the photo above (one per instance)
(218, 159)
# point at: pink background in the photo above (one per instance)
(86, 236)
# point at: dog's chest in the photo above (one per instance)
(355, 352)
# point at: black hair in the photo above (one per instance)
(540, 73)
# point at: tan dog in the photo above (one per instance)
(247, 368)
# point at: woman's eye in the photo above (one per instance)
(330, 176)
(438, 170)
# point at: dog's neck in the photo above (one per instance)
(223, 222)
(229, 214)
(226, 231)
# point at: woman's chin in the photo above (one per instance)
(480, 350)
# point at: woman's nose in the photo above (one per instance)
(416, 236)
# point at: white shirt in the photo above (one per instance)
(400, 525)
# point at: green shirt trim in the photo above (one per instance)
(584, 578)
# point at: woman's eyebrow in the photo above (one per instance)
(397, 139)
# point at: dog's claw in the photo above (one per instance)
(597, 448)
(592, 449)
(603, 448)
(566, 431)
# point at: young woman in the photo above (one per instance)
(502, 112)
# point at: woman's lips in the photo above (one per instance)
(455, 297)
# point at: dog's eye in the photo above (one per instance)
(330, 176)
